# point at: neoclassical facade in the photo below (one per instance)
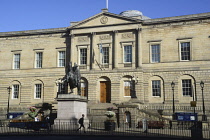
(122, 58)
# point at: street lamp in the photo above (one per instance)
(172, 86)
(134, 82)
(204, 118)
(8, 89)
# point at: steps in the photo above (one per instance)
(96, 112)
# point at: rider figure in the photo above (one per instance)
(73, 77)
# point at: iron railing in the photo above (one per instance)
(178, 130)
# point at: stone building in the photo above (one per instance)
(125, 59)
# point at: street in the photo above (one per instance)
(82, 137)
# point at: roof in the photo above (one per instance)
(134, 20)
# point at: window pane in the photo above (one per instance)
(62, 59)
(156, 88)
(39, 60)
(185, 51)
(186, 87)
(15, 91)
(106, 55)
(127, 88)
(83, 56)
(155, 50)
(38, 91)
(128, 53)
(83, 89)
(16, 61)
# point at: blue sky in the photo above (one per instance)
(19, 15)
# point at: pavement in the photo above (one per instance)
(84, 138)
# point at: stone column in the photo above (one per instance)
(72, 50)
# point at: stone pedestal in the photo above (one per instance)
(70, 110)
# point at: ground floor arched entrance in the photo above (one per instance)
(105, 92)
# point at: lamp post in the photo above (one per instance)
(204, 118)
(172, 86)
(134, 82)
(8, 89)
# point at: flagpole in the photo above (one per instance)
(102, 55)
(106, 4)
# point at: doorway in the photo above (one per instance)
(105, 92)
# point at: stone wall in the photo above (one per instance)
(116, 34)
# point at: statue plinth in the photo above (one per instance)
(70, 110)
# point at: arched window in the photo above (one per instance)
(156, 89)
(128, 86)
(15, 90)
(186, 88)
(84, 87)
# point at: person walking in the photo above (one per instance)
(81, 122)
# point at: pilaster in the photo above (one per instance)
(139, 48)
(115, 50)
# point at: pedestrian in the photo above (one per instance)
(81, 122)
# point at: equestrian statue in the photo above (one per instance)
(73, 78)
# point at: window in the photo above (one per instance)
(127, 53)
(106, 55)
(155, 53)
(61, 58)
(16, 61)
(38, 91)
(185, 50)
(186, 87)
(83, 89)
(15, 91)
(38, 59)
(83, 56)
(127, 88)
(156, 88)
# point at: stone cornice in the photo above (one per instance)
(177, 19)
(33, 32)
(71, 97)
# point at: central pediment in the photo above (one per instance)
(105, 19)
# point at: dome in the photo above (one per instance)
(131, 13)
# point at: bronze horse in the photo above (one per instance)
(73, 78)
